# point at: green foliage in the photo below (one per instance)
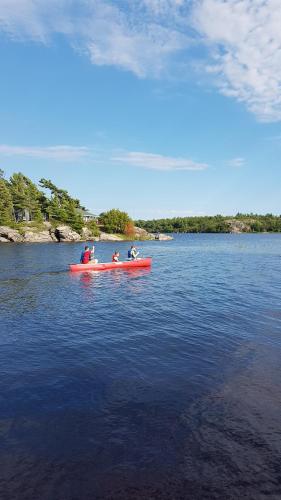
(25, 196)
(73, 218)
(92, 225)
(61, 207)
(215, 224)
(114, 221)
(6, 204)
(20, 196)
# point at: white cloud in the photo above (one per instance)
(35, 19)
(157, 162)
(236, 162)
(103, 157)
(59, 153)
(151, 38)
(132, 35)
(245, 41)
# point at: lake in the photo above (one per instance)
(142, 384)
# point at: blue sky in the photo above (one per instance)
(162, 108)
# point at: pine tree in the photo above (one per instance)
(6, 205)
(25, 196)
(62, 207)
(55, 210)
(73, 218)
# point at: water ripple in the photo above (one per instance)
(160, 383)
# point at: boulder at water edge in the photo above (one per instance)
(109, 237)
(65, 233)
(10, 234)
(163, 237)
(37, 237)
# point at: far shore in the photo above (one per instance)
(47, 233)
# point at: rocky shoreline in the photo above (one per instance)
(64, 233)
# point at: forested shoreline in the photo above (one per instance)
(248, 223)
(43, 212)
(22, 201)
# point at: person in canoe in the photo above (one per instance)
(133, 253)
(115, 256)
(85, 255)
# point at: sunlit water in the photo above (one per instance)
(161, 384)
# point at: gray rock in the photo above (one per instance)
(4, 240)
(86, 233)
(143, 234)
(109, 237)
(237, 226)
(10, 234)
(163, 237)
(65, 233)
(37, 237)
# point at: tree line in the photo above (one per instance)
(213, 224)
(21, 200)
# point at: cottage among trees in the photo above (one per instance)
(22, 201)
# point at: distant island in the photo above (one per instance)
(47, 213)
(240, 223)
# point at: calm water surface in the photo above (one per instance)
(161, 384)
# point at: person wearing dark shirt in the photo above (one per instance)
(132, 253)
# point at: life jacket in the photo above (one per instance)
(86, 257)
(129, 254)
(114, 258)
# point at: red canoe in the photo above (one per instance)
(102, 266)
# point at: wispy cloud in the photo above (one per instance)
(236, 162)
(136, 36)
(149, 37)
(244, 38)
(157, 162)
(92, 154)
(35, 19)
(59, 153)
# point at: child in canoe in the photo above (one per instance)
(115, 256)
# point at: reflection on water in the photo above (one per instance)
(118, 278)
(144, 383)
